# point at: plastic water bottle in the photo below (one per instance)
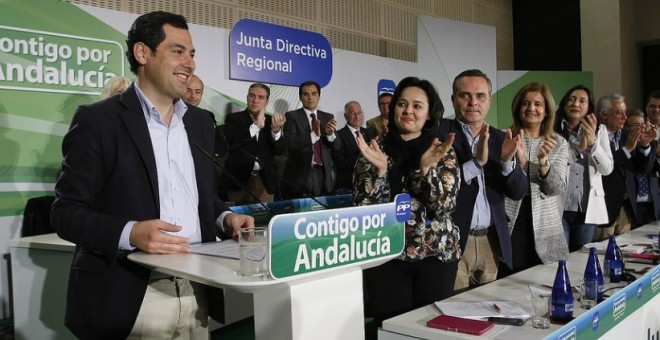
(619, 254)
(593, 271)
(613, 261)
(562, 295)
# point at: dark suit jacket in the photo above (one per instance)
(108, 179)
(646, 166)
(240, 165)
(623, 181)
(346, 156)
(300, 151)
(498, 186)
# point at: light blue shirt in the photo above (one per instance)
(471, 169)
(177, 183)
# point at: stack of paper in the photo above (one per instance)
(226, 248)
(626, 248)
(482, 309)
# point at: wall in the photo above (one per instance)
(385, 28)
(612, 33)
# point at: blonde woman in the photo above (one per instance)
(537, 234)
(114, 85)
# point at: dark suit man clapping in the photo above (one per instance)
(251, 134)
(310, 137)
(348, 151)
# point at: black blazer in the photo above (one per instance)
(647, 166)
(240, 165)
(346, 156)
(623, 179)
(108, 179)
(300, 150)
(513, 186)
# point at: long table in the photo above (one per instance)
(631, 312)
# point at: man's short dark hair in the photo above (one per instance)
(307, 83)
(653, 95)
(471, 73)
(262, 86)
(148, 29)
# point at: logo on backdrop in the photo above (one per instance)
(655, 279)
(52, 62)
(385, 86)
(619, 306)
(264, 52)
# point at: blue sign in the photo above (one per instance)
(386, 86)
(403, 205)
(276, 54)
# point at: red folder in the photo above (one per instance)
(454, 324)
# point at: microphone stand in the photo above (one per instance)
(301, 189)
(232, 178)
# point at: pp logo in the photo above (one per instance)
(385, 86)
(640, 290)
(595, 322)
(403, 204)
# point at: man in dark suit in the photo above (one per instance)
(489, 172)
(135, 178)
(253, 138)
(640, 174)
(348, 153)
(632, 143)
(310, 137)
(611, 111)
(193, 96)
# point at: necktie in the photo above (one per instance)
(642, 185)
(317, 146)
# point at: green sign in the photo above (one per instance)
(309, 242)
(34, 60)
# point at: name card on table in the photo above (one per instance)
(308, 242)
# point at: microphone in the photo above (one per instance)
(232, 178)
(301, 189)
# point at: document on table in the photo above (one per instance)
(482, 309)
(226, 248)
(626, 247)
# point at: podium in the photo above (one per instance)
(327, 305)
(305, 299)
(323, 303)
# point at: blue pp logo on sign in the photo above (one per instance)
(403, 203)
(386, 86)
(277, 54)
(595, 323)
